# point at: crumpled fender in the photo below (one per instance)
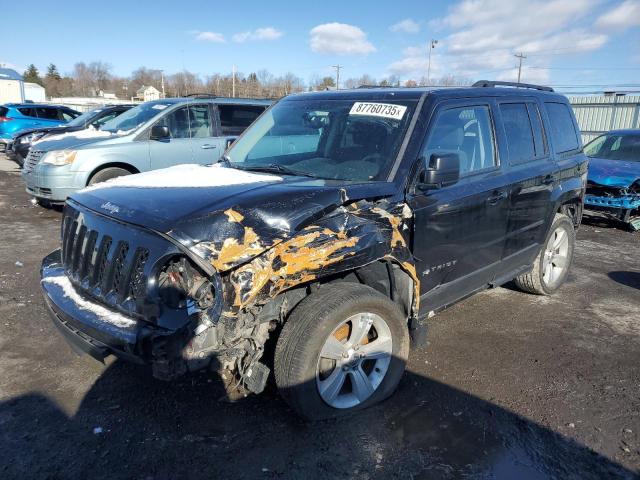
(349, 237)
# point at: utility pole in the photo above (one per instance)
(520, 56)
(432, 45)
(337, 67)
(162, 82)
(233, 82)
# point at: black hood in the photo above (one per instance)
(58, 129)
(274, 210)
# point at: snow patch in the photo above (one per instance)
(80, 134)
(104, 314)
(189, 175)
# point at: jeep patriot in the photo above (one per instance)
(327, 235)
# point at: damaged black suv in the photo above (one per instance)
(331, 231)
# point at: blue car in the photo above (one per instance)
(613, 185)
(19, 116)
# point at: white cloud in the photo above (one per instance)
(625, 15)
(407, 26)
(340, 39)
(265, 34)
(209, 37)
(483, 35)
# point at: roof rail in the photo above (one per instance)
(492, 83)
(200, 95)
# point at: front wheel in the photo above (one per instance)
(343, 348)
(108, 174)
(551, 266)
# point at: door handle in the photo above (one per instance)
(208, 146)
(548, 180)
(496, 197)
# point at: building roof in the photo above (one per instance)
(8, 74)
(143, 88)
(33, 85)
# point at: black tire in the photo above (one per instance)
(534, 282)
(309, 326)
(108, 174)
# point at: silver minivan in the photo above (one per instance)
(153, 135)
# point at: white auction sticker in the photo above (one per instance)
(386, 110)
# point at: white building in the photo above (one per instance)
(11, 86)
(147, 93)
(34, 93)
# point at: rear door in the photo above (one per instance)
(532, 175)
(206, 145)
(177, 148)
(459, 230)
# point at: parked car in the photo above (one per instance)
(19, 116)
(332, 229)
(614, 176)
(21, 141)
(152, 135)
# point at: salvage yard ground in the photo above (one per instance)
(510, 386)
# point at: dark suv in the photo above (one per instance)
(332, 229)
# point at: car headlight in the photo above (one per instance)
(59, 157)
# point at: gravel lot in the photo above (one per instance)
(509, 386)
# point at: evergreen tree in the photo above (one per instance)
(52, 72)
(32, 75)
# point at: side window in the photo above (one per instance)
(234, 119)
(539, 137)
(200, 121)
(177, 122)
(102, 120)
(47, 113)
(518, 131)
(66, 115)
(466, 131)
(28, 112)
(563, 132)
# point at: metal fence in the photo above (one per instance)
(599, 114)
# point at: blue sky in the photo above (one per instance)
(575, 42)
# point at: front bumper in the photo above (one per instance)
(89, 328)
(52, 183)
(625, 202)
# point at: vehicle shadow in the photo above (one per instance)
(157, 430)
(594, 219)
(630, 279)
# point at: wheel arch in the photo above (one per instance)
(103, 166)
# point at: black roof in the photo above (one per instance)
(414, 93)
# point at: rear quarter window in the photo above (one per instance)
(3, 111)
(563, 131)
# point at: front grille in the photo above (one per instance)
(110, 270)
(32, 160)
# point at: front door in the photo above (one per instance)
(207, 146)
(177, 148)
(459, 230)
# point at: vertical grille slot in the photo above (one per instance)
(68, 244)
(77, 249)
(136, 282)
(64, 233)
(117, 284)
(101, 260)
(87, 255)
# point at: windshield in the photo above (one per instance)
(615, 147)
(331, 139)
(84, 118)
(132, 119)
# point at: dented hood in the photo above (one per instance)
(613, 173)
(257, 213)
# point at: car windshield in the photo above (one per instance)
(323, 138)
(615, 147)
(84, 118)
(132, 119)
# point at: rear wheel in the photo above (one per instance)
(343, 348)
(108, 174)
(551, 266)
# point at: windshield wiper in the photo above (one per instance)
(276, 168)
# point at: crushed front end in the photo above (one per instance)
(115, 288)
(619, 202)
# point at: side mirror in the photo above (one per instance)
(159, 132)
(443, 170)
